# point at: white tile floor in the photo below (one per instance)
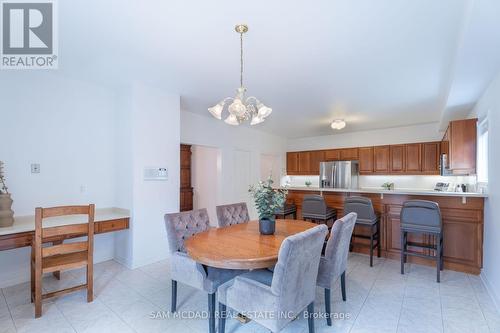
(379, 300)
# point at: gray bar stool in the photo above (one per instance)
(367, 217)
(422, 217)
(286, 210)
(315, 209)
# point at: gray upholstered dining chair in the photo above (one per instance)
(367, 218)
(181, 226)
(232, 214)
(283, 294)
(334, 263)
(314, 208)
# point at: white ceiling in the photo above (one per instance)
(376, 64)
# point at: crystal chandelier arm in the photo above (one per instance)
(252, 98)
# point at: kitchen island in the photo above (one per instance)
(462, 214)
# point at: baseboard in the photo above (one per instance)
(491, 292)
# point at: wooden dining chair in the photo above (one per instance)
(59, 256)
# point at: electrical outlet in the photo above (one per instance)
(35, 168)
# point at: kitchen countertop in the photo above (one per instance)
(27, 223)
(380, 190)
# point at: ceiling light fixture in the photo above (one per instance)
(338, 124)
(241, 108)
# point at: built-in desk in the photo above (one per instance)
(21, 233)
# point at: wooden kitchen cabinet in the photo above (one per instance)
(332, 155)
(413, 158)
(430, 158)
(381, 158)
(304, 162)
(365, 160)
(398, 158)
(461, 138)
(315, 159)
(292, 163)
(186, 190)
(348, 154)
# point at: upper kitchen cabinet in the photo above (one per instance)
(398, 159)
(315, 159)
(348, 154)
(332, 155)
(459, 146)
(381, 159)
(304, 162)
(413, 159)
(365, 160)
(292, 163)
(430, 158)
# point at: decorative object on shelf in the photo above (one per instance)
(308, 183)
(267, 200)
(338, 124)
(6, 212)
(388, 186)
(241, 108)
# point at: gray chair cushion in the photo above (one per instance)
(232, 214)
(181, 226)
(421, 216)
(334, 262)
(292, 287)
(285, 210)
(363, 207)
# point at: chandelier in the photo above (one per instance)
(241, 108)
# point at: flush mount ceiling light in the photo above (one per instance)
(338, 124)
(241, 108)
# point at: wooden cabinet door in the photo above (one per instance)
(366, 160)
(398, 157)
(463, 138)
(349, 154)
(304, 162)
(315, 159)
(430, 158)
(381, 156)
(292, 163)
(332, 155)
(393, 233)
(413, 158)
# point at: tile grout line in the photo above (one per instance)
(404, 297)
(478, 303)
(65, 318)
(8, 308)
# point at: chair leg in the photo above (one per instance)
(222, 318)
(442, 248)
(32, 270)
(90, 284)
(211, 313)
(38, 295)
(173, 301)
(310, 317)
(378, 239)
(342, 286)
(438, 260)
(328, 308)
(371, 246)
(402, 252)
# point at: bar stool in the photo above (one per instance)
(366, 218)
(286, 210)
(422, 217)
(315, 209)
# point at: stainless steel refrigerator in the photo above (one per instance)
(339, 174)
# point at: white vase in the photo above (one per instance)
(6, 212)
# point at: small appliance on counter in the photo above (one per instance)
(339, 174)
(441, 187)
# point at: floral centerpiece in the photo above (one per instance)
(267, 200)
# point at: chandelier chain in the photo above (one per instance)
(241, 59)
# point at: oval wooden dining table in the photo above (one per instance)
(241, 246)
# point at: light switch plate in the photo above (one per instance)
(35, 168)
(156, 174)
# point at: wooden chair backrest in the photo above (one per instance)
(45, 235)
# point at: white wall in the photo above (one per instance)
(151, 138)
(489, 105)
(67, 127)
(407, 134)
(205, 173)
(242, 141)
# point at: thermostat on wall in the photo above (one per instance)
(155, 174)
